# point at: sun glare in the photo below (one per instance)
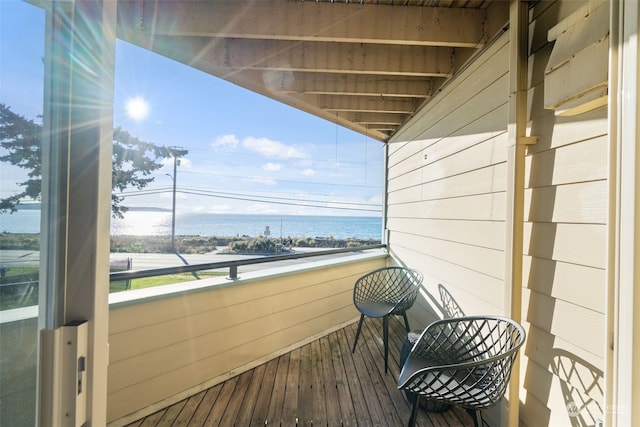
(137, 108)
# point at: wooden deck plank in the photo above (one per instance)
(343, 388)
(204, 408)
(290, 410)
(153, 419)
(305, 393)
(362, 370)
(403, 406)
(382, 382)
(457, 417)
(171, 414)
(276, 405)
(321, 383)
(189, 409)
(392, 402)
(331, 398)
(266, 393)
(318, 402)
(361, 413)
(218, 408)
(238, 396)
(248, 403)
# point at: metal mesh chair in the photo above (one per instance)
(385, 292)
(465, 361)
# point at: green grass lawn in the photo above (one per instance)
(19, 287)
(150, 282)
(26, 294)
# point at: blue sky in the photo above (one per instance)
(245, 150)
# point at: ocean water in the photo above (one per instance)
(141, 223)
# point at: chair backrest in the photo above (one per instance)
(473, 358)
(389, 284)
(450, 307)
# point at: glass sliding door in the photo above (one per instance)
(22, 27)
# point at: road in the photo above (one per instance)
(144, 261)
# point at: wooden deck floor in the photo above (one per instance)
(319, 384)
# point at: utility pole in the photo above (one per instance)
(173, 210)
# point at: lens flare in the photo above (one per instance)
(137, 108)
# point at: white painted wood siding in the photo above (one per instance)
(565, 252)
(446, 189)
(446, 217)
(168, 348)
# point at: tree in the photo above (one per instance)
(21, 138)
(133, 160)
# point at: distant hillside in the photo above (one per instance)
(37, 206)
(148, 209)
(28, 207)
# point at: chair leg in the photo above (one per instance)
(415, 398)
(406, 321)
(385, 339)
(358, 333)
(476, 415)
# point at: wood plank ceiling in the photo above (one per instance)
(366, 65)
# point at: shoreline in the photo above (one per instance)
(145, 224)
(190, 244)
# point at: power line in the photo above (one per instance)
(263, 199)
(204, 191)
(285, 203)
(279, 198)
(284, 180)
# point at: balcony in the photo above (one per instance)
(319, 384)
(272, 347)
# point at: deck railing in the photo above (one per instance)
(232, 265)
(324, 306)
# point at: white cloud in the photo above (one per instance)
(183, 162)
(223, 208)
(308, 172)
(272, 167)
(376, 198)
(226, 142)
(263, 180)
(270, 148)
(262, 208)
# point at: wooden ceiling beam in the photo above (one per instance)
(372, 119)
(381, 128)
(314, 83)
(367, 67)
(243, 54)
(311, 21)
(365, 104)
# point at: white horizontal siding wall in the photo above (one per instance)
(446, 190)
(565, 251)
(447, 210)
(447, 193)
(170, 347)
